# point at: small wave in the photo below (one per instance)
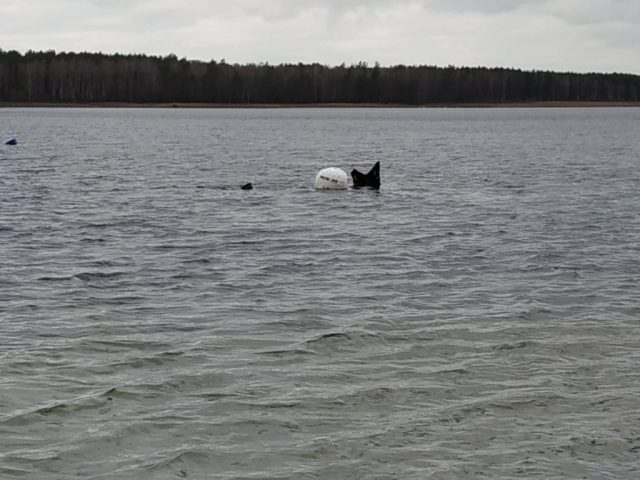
(103, 263)
(127, 222)
(175, 459)
(514, 346)
(370, 396)
(55, 279)
(174, 246)
(121, 393)
(536, 314)
(122, 300)
(213, 396)
(327, 336)
(518, 401)
(52, 409)
(152, 360)
(286, 352)
(99, 225)
(198, 260)
(92, 240)
(35, 171)
(183, 276)
(89, 276)
(14, 472)
(334, 338)
(58, 409)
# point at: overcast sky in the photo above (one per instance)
(576, 35)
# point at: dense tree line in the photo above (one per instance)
(96, 77)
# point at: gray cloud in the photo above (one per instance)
(582, 35)
(486, 6)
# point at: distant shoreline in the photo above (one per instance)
(546, 104)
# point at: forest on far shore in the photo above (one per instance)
(99, 78)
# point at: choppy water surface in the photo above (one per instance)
(478, 317)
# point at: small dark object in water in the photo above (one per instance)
(247, 186)
(13, 141)
(371, 179)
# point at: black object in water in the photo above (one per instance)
(371, 179)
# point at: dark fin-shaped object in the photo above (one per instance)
(371, 179)
(13, 141)
(247, 186)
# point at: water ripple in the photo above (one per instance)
(475, 318)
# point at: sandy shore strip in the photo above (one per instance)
(549, 104)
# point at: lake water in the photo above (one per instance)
(478, 317)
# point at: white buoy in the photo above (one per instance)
(331, 178)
